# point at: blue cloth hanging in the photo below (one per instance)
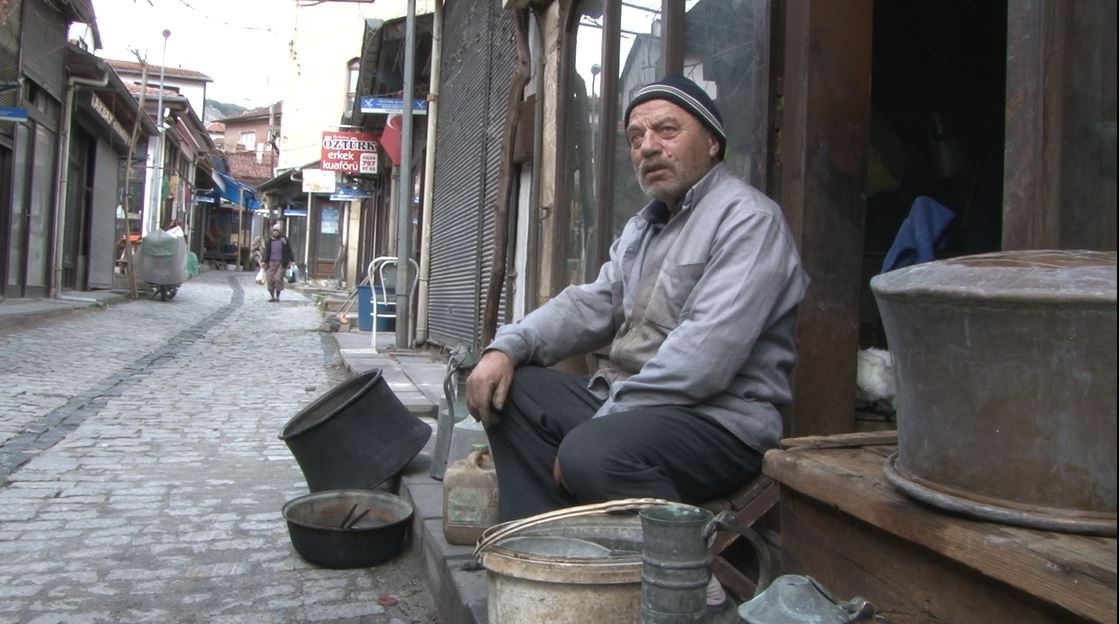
(920, 236)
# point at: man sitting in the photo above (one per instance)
(698, 306)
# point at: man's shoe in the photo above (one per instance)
(725, 613)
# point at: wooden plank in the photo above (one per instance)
(747, 513)
(905, 583)
(1035, 562)
(1059, 181)
(733, 579)
(861, 438)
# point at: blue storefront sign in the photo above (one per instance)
(391, 106)
(16, 113)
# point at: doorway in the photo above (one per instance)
(937, 130)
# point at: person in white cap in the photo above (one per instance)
(276, 257)
(697, 304)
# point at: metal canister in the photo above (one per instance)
(675, 564)
(1005, 367)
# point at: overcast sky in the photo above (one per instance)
(241, 44)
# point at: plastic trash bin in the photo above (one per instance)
(386, 310)
(365, 308)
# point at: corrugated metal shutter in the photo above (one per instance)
(44, 46)
(503, 57)
(477, 62)
(459, 180)
(102, 226)
(9, 57)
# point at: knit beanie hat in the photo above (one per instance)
(687, 95)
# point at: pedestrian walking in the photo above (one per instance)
(276, 258)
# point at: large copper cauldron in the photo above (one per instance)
(1006, 372)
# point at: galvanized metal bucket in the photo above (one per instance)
(571, 566)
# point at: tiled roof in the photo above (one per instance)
(179, 72)
(152, 91)
(243, 166)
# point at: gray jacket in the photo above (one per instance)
(718, 329)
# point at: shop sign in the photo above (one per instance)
(350, 193)
(391, 106)
(319, 181)
(348, 151)
(107, 116)
(13, 113)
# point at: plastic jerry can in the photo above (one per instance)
(470, 497)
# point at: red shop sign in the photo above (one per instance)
(349, 151)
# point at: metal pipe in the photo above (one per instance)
(532, 259)
(62, 187)
(404, 222)
(240, 225)
(307, 240)
(429, 172)
(156, 193)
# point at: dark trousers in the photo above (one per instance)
(669, 452)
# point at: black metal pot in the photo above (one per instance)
(356, 436)
(348, 528)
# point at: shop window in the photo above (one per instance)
(724, 54)
(582, 123)
(352, 70)
(614, 48)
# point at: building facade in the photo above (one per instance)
(33, 79)
(843, 111)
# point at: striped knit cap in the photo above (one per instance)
(689, 96)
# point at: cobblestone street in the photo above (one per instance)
(141, 473)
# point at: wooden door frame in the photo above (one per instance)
(822, 112)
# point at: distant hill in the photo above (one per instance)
(216, 110)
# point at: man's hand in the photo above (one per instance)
(488, 386)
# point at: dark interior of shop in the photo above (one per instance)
(938, 93)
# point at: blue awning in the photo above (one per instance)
(230, 189)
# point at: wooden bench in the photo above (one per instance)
(747, 505)
(845, 525)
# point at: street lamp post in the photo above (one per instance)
(156, 203)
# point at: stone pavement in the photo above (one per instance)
(416, 378)
(141, 474)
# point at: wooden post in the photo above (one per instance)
(824, 134)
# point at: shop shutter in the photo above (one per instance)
(44, 46)
(503, 57)
(461, 177)
(9, 58)
(102, 226)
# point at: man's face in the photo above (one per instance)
(670, 149)
(275, 233)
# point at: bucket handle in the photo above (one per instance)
(503, 530)
(726, 521)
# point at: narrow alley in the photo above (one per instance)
(141, 473)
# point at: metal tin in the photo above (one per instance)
(1006, 371)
